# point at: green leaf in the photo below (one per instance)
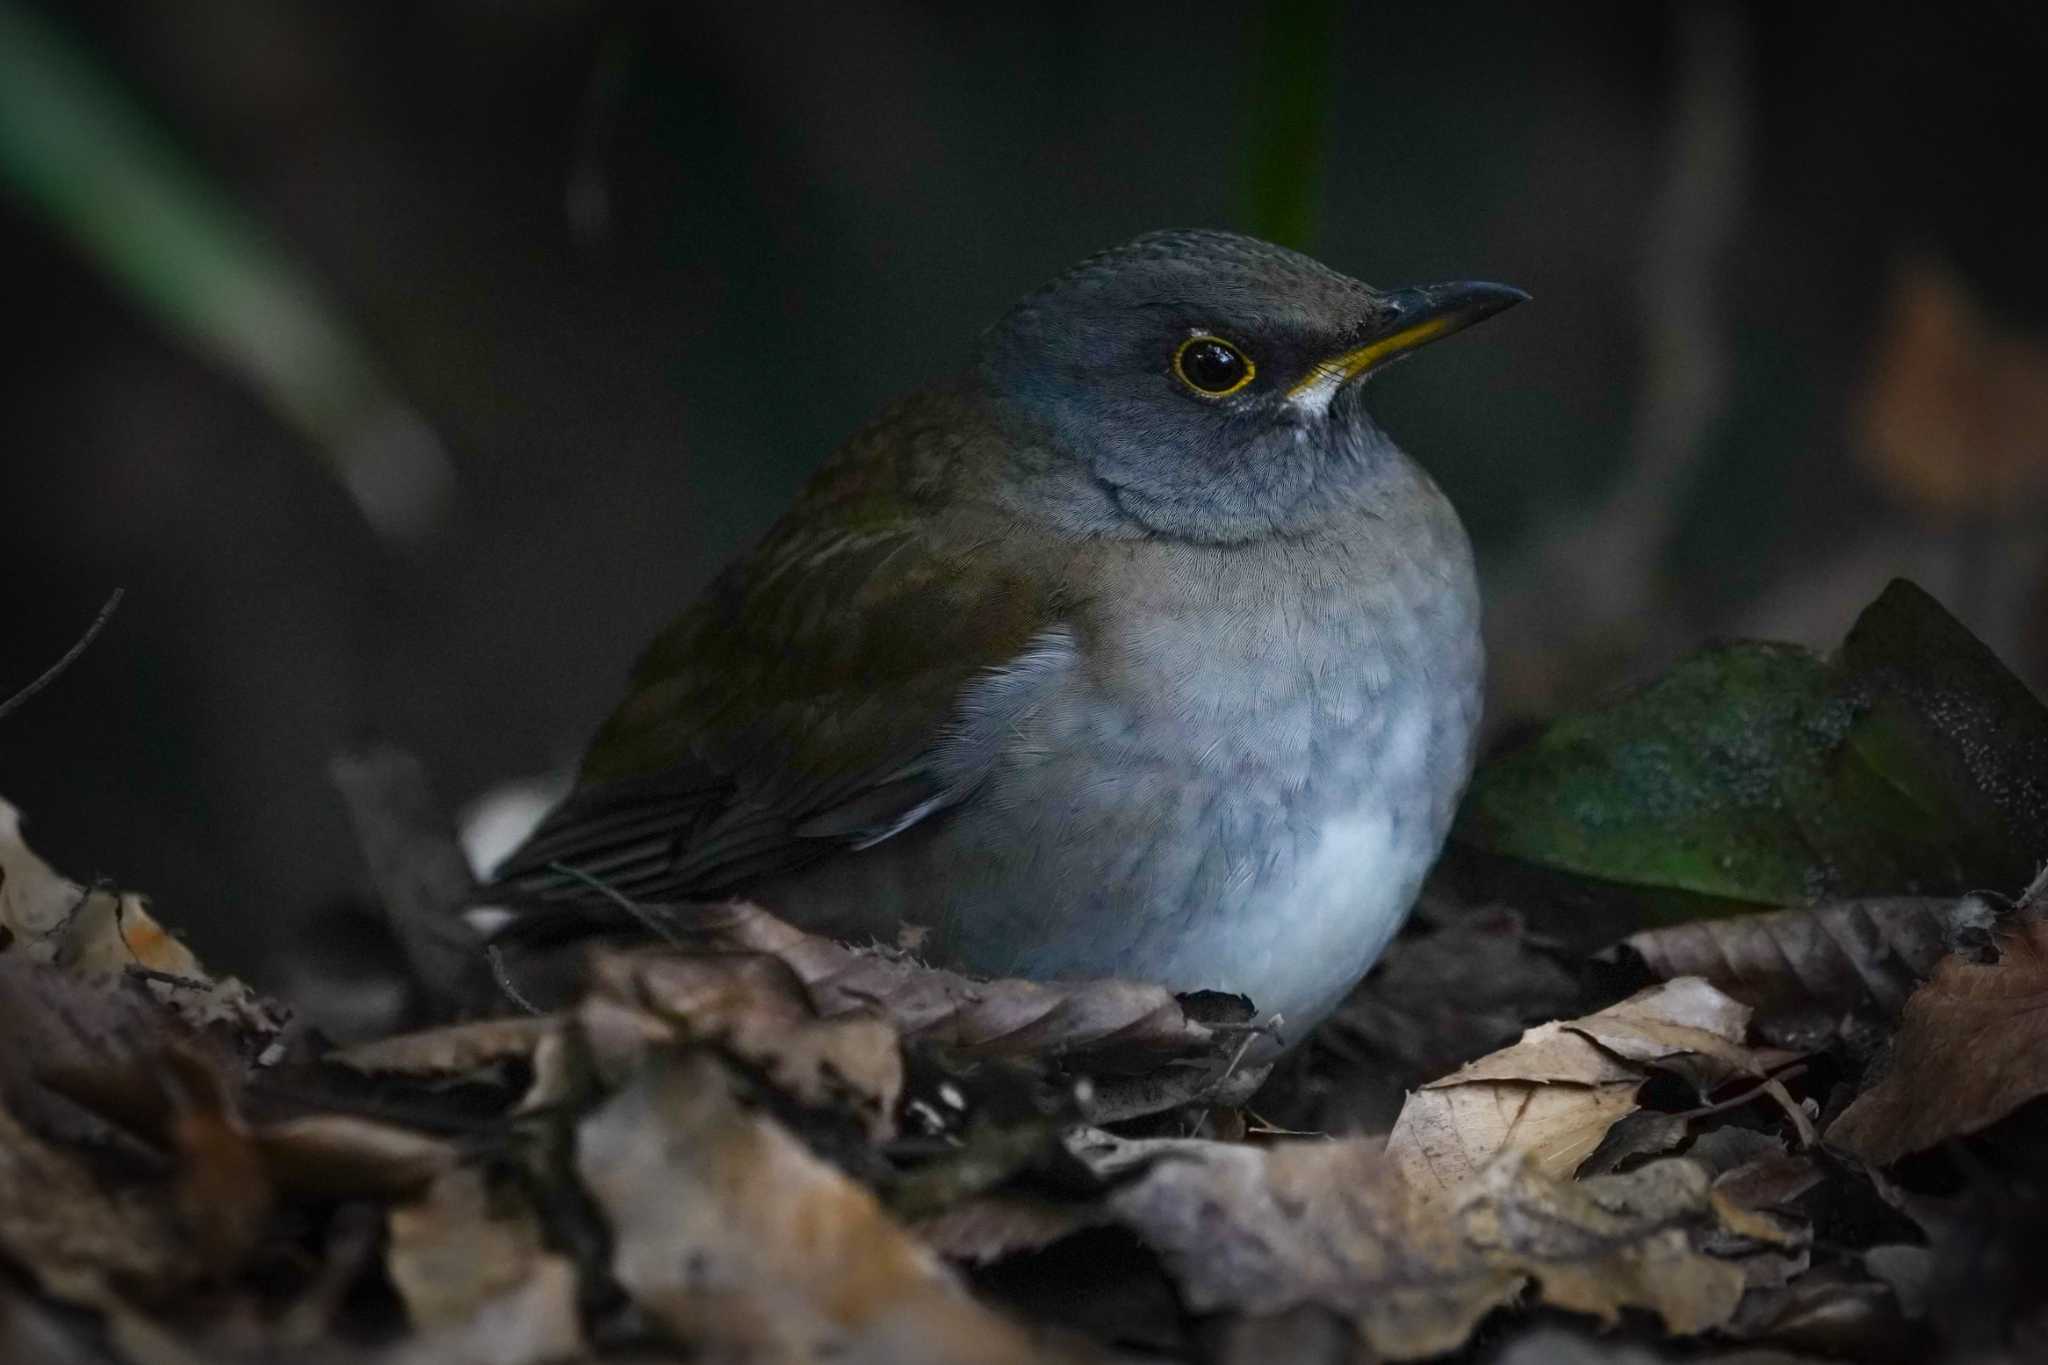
(1763, 774)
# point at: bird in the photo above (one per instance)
(1136, 648)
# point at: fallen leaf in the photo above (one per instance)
(1645, 1133)
(969, 1015)
(1972, 1047)
(344, 1157)
(1554, 1095)
(1830, 1311)
(532, 1323)
(461, 1247)
(736, 1240)
(73, 1234)
(449, 1052)
(755, 1006)
(93, 932)
(1754, 775)
(1262, 1230)
(1846, 957)
(993, 1226)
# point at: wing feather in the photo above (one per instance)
(844, 682)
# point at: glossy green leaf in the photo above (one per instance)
(1763, 774)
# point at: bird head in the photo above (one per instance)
(1209, 383)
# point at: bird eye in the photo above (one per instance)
(1212, 366)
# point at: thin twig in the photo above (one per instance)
(92, 631)
(503, 977)
(639, 912)
(171, 979)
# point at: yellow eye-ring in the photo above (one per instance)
(1212, 366)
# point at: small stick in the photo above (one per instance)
(92, 631)
(503, 976)
(647, 918)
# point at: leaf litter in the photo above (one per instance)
(1809, 1130)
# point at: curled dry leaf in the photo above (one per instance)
(755, 1006)
(1435, 1000)
(465, 1252)
(1849, 957)
(533, 1323)
(1262, 1230)
(92, 931)
(1002, 1018)
(1554, 1094)
(993, 1226)
(450, 1052)
(1972, 1047)
(741, 1244)
(343, 1157)
(75, 1234)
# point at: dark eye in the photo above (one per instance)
(1212, 366)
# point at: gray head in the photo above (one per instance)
(1209, 382)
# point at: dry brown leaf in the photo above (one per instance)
(733, 1237)
(464, 1251)
(1445, 1136)
(993, 1226)
(449, 1052)
(1002, 1018)
(92, 932)
(1612, 1242)
(1851, 957)
(533, 1323)
(753, 1005)
(1647, 1132)
(1827, 1310)
(1262, 1230)
(1972, 1047)
(1554, 1094)
(1768, 1182)
(1679, 1017)
(73, 1234)
(344, 1157)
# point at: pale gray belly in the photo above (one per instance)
(1267, 844)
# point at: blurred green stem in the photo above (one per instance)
(76, 149)
(1286, 119)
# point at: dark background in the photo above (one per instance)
(639, 267)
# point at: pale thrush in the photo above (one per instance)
(1134, 649)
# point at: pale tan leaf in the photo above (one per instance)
(1263, 1230)
(1612, 1242)
(736, 1240)
(91, 932)
(1556, 1092)
(464, 1251)
(1547, 1054)
(1972, 1047)
(1444, 1136)
(1683, 1016)
(534, 1322)
(452, 1051)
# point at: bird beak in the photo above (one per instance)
(1409, 319)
